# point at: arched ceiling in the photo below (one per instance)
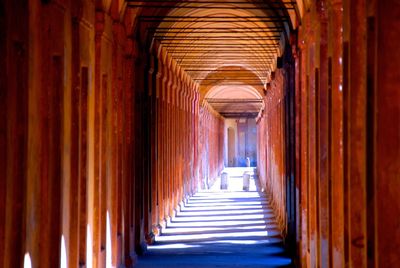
(225, 45)
(235, 101)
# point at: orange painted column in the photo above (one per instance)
(312, 149)
(173, 166)
(73, 243)
(384, 103)
(180, 137)
(128, 206)
(304, 148)
(99, 31)
(174, 151)
(52, 108)
(180, 140)
(188, 161)
(3, 133)
(196, 142)
(310, 132)
(165, 143)
(335, 13)
(137, 156)
(103, 163)
(175, 126)
(185, 133)
(193, 152)
(323, 141)
(18, 151)
(117, 142)
(169, 144)
(153, 83)
(160, 131)
(159, 197)
(297, 165)
(355, 126)
(174, 117)
(165, 175)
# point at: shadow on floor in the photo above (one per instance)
(220, 229)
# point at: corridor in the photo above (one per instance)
(221, 228)
(118, 119)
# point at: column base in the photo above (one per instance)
(150, 238)
(142, 248)
(130, 261)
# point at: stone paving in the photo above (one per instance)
(220, 228)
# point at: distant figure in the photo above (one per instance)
(247, 161)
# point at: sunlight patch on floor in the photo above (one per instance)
(214, 228)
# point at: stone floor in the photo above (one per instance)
(220, 228)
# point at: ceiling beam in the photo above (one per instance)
(207, 17)
(213, 20)
(216, 70)
(255, 80)
(219, 65)
(169, 29)
(224, 37)
(212, 65)
(220, 60)
(157, 33)
(195, 6)
(217, 100)
(194, 49)
(238, 115)
(210, 43)
(243, 84)
(243, 77)
(223, 55)
(230, 45)
(213, 2)
(243, 55)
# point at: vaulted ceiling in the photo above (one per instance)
(229, 47)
